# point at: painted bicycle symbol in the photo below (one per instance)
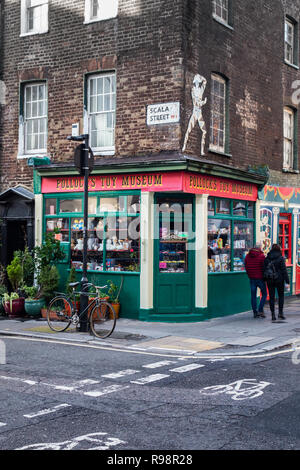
(240, 390)
(94, 441)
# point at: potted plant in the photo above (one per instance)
(69, 290)
(3, 291)
(15, 272)
(33, 301)
(48, 279)
(13, 304)
(114, 293)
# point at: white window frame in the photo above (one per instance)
(289, 41)
(24, 120)
(288, 139)
(213, 117)
(107, 150)
(223, 6)
(107, 9)
(42, 26)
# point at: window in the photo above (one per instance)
(288, 130)
(35, 118)
(97, 10)
(101, 111)
(221, 10)
(34, 16)
(230, 234)
(291, 42)
(218, 114)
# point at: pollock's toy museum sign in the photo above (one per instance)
(172, 181)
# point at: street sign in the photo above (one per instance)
(79, 159)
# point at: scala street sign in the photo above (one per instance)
(163, 113)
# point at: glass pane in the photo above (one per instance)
(243, 242)
(211, 206)
(173, 244)
(123, 244)
(133, 204)
(92, 205)
(250, 210)
(109, 204)
(223, 206)
(70, 205)
(60, 226)
(239, 208)
(50, 206)
(94, 243)
(219, 245)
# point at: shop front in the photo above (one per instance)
(175, 240)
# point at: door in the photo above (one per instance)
(298, 259)
(285, 242)
(174, 256)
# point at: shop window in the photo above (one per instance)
(173, 245)
(70, 205)
(92, 205)
(98, 10)
(123, 244)
(60, 227)
(211, 206)
(229, 238)
(112, 204)
(34, 17)
(50, 207)
(219, 245)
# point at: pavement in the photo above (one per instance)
(234, 335)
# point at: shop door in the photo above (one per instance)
(174, 257)
(285, 242)
(298, 259)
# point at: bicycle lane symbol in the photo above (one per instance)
(245, 389)
(94, 441)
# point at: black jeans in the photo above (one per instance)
(280, 290)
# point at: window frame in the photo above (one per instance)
(228, 9)
(106, 150)
(292, 139)
(212, 147)
(88, 18)
(43, 26)
(293, 43)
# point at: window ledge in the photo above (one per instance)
(33, 33)
(36, 155)
(291, 65)
(218, 152)
(290, 170)
(96, 20)
(218, 20)
(104, 153)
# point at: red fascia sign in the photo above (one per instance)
(158, 182)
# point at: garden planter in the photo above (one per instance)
(33, 307)
(116, 308)
(15, 308)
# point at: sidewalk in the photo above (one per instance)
(234, 335)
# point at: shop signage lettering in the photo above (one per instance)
(171, 181)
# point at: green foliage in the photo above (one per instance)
(48, 279)
(31, 292)
(50, 252)
(15, 272)
(71, 278)
(28, 265)
(9, 298)
(113, 292)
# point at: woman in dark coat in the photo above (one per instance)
(276, 275)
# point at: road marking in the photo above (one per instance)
(17, 379)
(106, 390)
(186, 368)
(2, 424)
(155, 365)
(122, 373)
(47, 411)
(69, 388)
(150, 378)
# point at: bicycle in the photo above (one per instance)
(62, 311)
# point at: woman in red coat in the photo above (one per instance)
(254, 263)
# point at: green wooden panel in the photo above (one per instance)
(228, 294)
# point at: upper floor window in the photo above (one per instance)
(218, 114)
(291, 42)
(221, 10)
(34, 16)
(34, 129)
(288, 138)
(101, 111)
(97, 10)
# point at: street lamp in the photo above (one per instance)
(84, 160)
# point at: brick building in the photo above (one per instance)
(185, 104)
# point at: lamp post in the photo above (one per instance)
(82, 154)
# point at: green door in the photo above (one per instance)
(174, 256)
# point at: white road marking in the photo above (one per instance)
(150, 378)
(2, 424)
(68, 388)
(47, 411)
(17, 379)
(155, 365)
(187, 368)
(122, 373)
(106, 390)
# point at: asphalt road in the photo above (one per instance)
(56, 396)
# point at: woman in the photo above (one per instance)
(275, 273)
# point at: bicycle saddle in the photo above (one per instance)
(74, 284)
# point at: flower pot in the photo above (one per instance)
(33, 307)
(116, 308)
(15, 308)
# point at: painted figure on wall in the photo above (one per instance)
(199, 85)
(266, 229)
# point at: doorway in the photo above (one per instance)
(16, 237)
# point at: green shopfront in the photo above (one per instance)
(174, 239)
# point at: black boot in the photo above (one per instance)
(273, 316)
(281, 316)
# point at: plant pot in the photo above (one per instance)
(15, 308)
(116, 309)
(33, 307)
(90, 309)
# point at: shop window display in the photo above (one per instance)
(242, 243)
(60, 227)
(70, 205)
(219, 245)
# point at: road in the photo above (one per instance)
(59, 396)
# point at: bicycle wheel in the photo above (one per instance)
(103, 320)
(59, 313)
